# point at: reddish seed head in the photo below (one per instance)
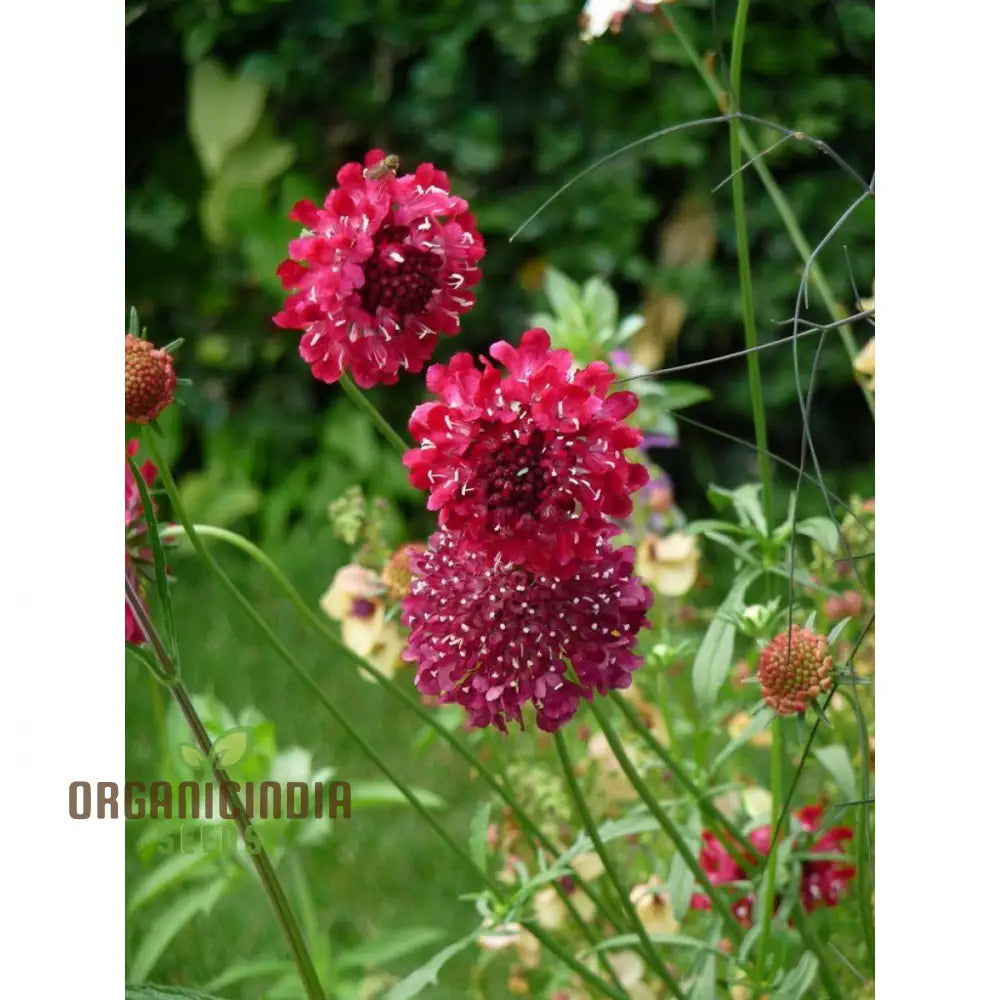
(149, 380)
(794, 668)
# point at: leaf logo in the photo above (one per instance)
(230, 748)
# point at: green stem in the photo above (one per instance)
(167, 675)
(655, 961)
(743, 255)
(283, 651)
(778, 198)
(319, 625)
(171, 489)
(772, 854)
(364, 404)
(668, 826)
(723, 828)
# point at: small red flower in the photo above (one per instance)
(137, 555)
(149, 380)
(492, 636)
(794, 668)
(529, 467)
(385, 266)
(822, 882)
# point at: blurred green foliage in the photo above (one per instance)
(237, 109)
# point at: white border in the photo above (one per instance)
(938, 686)
(62, 68)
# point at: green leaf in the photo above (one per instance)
(477, 835)
(678, 940)
(822, 531)
(159, 561)
(600, 304)
(388, 947)
(372, 794)
(230, 747)
(795, 984)
(174, 870)
(152, 991)
(680, 878)
(250, 970)
(133, 321)
(562, 293)
(837, 762)
(170, 922)
(223, 111)
(427, 974)
(714, 658)
(756, 725)
(683, 394)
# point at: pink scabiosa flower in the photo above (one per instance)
(528, 467)
(137, 555)
(384, 267)
(493, 636)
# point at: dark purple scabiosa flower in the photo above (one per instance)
(493, 636)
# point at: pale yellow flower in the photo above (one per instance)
(611, 781)
(669, 564)
(864, 364)
(629, 968)
(552, 912)
(355, 599)
(652, 906)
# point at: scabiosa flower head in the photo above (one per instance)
(794, 668)
(149, 380)
(137, 554)
(384, 267)
(528, 466)
(492, 636)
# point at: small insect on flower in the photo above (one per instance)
(387, 165)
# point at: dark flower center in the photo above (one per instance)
(398, 276)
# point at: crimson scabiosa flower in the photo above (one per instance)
(821, 883)
(528, 467)
(793, 669)
(150, 380)
(385, 265)
(493, 636)
(137, 555)
(824, 881)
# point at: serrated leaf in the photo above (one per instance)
(153, 991)
(795, 984)
(714, 658)
(167, 924)
(230, 747)
(822, 531)
(837, 762)
(223, 111)
(427, 974)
